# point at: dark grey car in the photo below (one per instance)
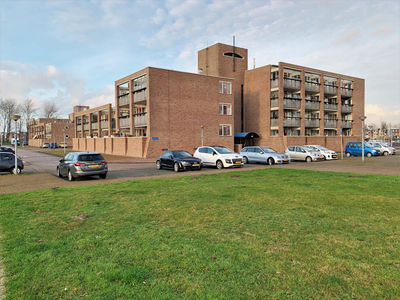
(80, 164)
(7, 163)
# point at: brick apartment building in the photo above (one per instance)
(52, 130)
(224, 104)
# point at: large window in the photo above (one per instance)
(225, 87)
(225, 109)
(225, 130)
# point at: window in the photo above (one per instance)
(225, 109)
(225, 87)
(225, 130)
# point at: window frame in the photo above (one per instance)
(225, 109)
(225, 130)
(225, 87)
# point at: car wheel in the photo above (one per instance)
(158, 164)
(245, 160)
(220, 165)
(324, 157)
(270, 161)
(103, 176)
(386, 153)
(13, 170)
(70, 177)
(348, 154)
(308, 159)
(369, 154)
(58, 173)
(176, 167)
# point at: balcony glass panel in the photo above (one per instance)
(79, 128)
(292, 83)
(104, 124)
(311, 105)
(312, 86)
(328, 106)
(274, 83)
(347, 124)
(346, 109)
(139, 96)
(291, 122)
(274, 103)
(125, 122)
(140, 120)
(94, 126)
(124, 100)
(330, 89)
(312, 123)
(274, 122)
(86, 127)
(330, 123)
(347, 92)
(291, 103)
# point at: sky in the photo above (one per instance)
(71, 52)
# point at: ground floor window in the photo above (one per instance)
(274, 132)
(140, 132)
(225, 130)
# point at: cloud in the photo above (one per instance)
(383, 31)
(377, 113)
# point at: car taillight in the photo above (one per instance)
(104, 162)
(79, 164)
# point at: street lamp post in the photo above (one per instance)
(362, 118)
(15, 118)
(202, 134)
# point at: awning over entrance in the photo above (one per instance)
(246, 135)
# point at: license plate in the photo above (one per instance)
(238, 162)
(196, 165)
(286, 160)
(93, 166)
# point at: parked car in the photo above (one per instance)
(355, 148)
(385, 150)
(79, 164)
(328, 154)
(63, 145)
(256, 154)
(6, 149)
(53, 145)
(7, 163)
(25, 144)
(219, 156)
(389, 146)
(303, 153)
(44, 145)
(178, 161)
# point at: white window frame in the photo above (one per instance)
(225, 87)
(228, 107)
(225, 130)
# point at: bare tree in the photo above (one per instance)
(50, 110)
(28, 110)
(8, 107)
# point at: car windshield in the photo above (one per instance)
(223, 150)
(181, 154)
(323, 148)
(268, 150)
(90, 157)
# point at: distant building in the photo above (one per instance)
(52, 130)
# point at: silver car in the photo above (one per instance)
(256, 154)
(303, 153)
(328, 154)
(385, 150)
(80, 164)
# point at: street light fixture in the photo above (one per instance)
(202, 134)
(362, 118)
(15, 118)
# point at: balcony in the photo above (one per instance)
(274, 122)
(346, 109)
(312, 86)
(312, 122)
(330, 124)
(330, 89)
(291, 103)
(274, 102)
(347, 124)
(274, 83)
(86, 127)
(104, 124)
(292, 83)
(346, 92)
(139, 96)
(94, 125)
(330, 106)
(140, 120)
(124, 122)
(312, 105)
(79, 128)
(291, 122)
(123, 100)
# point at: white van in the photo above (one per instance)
(219, 156)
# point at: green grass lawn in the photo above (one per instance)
(262, 234)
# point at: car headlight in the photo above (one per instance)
(228, 161)
(185, 163)
(373, 151)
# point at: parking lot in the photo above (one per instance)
(40, 170)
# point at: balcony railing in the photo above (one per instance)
(312, 86)
(124, 100)
(140, 120)
(330, 89)
(346, 92)
(104, 124)
(347, 124)
(292, 83)
(330, 123)
(124, 122)
(291, 103)
(79, 128)
(274, 102)
(330, 106)
(139, 96)
(346, 109)
(312, 122)
(94, 126)
(86, 127)
(291, 122)
(274, 122)
(274, 83)
(312, 105)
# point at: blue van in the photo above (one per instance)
(355, 148)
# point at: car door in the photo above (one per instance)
(258, 154)
(291, 152)
(300, 153)
(63, 165)
(6, 161)
(168, 160)
(250, 154)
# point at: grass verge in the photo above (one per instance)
(270, 233)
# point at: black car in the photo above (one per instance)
(6, 149)
(7, 163)
(178, 161)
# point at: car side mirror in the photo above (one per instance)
(304, 151)
(262, 152)
(214, 153)
(61, 160)
(171, 157)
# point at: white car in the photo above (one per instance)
(328, 154)
(303, 153)
(385, 150)
(218, 156)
